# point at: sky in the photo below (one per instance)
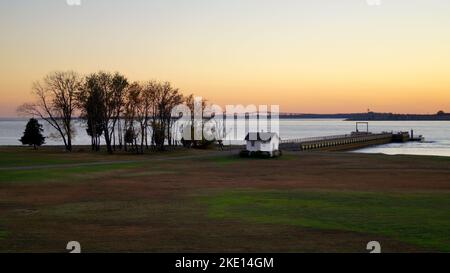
(315, 56)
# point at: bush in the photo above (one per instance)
(260, 154)
(244, 153)
(277, 153)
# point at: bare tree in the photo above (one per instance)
(146, 100)
(112, 89)
(89, 101)
(166, 98)
(154, 90)
(198, 126)
(133, 103)
(55, 103)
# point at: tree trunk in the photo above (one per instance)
(108, 142)
(69, 143)
(146, 137)
(114, 137)
(119, 133)
(142, 138)
(98, 143)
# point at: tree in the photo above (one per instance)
(165, 99)
(154, 90)
(111, 90)
(130, 113)
(55, 103)
(199, 125)
(130, 138)
(32, 135)
(89, 101)
(145, 100)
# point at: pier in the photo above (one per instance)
(355, 140)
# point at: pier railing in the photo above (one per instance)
(310, 139)
(341, 141)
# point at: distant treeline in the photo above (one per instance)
(371, 116)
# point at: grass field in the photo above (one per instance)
(420, 219)
(201, 201)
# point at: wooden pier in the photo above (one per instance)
(351, 141)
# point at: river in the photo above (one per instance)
(436, 133)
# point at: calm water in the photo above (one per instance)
(437, 133)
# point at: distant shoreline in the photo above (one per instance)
(371, 116)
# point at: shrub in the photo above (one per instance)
(260, 154)
(277, 153)
(244, 153)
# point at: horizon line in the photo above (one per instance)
(300, 114)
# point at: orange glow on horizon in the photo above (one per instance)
(307, 57)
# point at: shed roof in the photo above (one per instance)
(261, 136)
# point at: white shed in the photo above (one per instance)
(264, 142)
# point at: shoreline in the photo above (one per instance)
(86, 149)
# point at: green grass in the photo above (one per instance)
(440, 158)
(102, 210)
(224, 160)
(233, 158)
(17, 159)
(3, 233)
(26, 158)
(110, 212)
(422, 219)
(63, 173)
(147, 173)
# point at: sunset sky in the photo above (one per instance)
(316, 56)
